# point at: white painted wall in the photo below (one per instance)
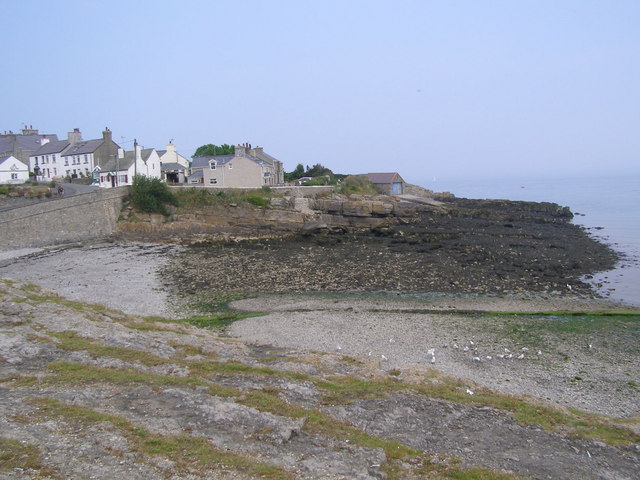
(13, 171)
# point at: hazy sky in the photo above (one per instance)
(426, 88)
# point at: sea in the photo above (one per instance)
(608, 206)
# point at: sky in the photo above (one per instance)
(427, 88)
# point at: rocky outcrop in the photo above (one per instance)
(284, 216)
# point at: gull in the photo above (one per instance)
(506, 350)
(391, 340)
(590, 346)
(508, 356)
(369, 354)
(471, 342)
(433, 359)
(431, 351)
(466, 349)
(384, 358)
(338, 348)
(539, 352)
(500, 355)
(455, 345)
(469, 391)
(489, 357)
(476, 359)
(521, 356)
(569, 287)
(525, 349)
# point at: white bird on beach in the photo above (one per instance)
(384, 358)
(521, 356)
(433, 359)
(469, 391)
(539, 352)
(466, 349)
(431, 352)
(338, 348)
(489, 357)
(476, 359)
(569, 287)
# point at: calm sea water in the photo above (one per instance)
(609, 208)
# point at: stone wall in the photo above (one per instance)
(88, 216)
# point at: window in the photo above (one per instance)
(66, 163)
(212, 165)
(86, 159)
(55, 171)
(230, 166)
(14, 176)
(213, 181)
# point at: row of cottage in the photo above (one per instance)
(107, 165)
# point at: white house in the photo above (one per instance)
(13, 170)
(83, 156)
(171, 155)
(175, 167)
(121, 170)
(45, 163)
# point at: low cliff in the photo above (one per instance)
(282, 216)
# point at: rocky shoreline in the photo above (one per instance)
(434, 323)
(471, 246)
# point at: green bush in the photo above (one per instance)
(357, 184)
(258, 201)
(151, 195)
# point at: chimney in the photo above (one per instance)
(240, 150)
(106, 135)
(171, 147)
(75, 136)
(29, 131)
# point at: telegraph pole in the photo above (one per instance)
(135, 157)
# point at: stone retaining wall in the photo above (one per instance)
(88, 216)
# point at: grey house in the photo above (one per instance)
(390, 183)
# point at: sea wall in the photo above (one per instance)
(88, 216)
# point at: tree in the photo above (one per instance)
(296, 174)
(210, 149)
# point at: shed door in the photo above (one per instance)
(396, 188)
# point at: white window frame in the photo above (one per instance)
(213, 181)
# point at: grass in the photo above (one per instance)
(218, 321)
(15, 454)
(185, 450)
(190, 199)
(69, 340)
